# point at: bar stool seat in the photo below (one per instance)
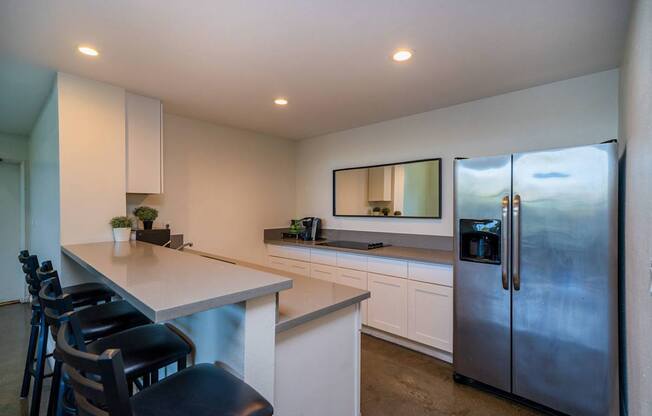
(109, 318)
(144, 349)
(202, 390)
(89, 293)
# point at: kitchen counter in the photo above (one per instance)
(396, 252)
(165, 284)
(308, 299)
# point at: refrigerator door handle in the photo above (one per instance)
(505, 242)
(516, 242)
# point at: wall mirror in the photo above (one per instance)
(404, 190)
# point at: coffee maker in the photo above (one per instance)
(311, 228)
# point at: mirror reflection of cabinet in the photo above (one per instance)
(407, 190)
(380, 183)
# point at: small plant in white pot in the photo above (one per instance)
(121, 228)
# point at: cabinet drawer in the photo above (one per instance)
(323, 257)
(323, 272)
(352, 261)
(430, 315)
(277, 263)
(439, 274)
(295, 253)
(390, 267)
(358, 280)
(387, 308)
(298, 267)
(353, 278)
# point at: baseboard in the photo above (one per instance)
(409, 344)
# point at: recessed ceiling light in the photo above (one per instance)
(402, 55)
(87, 50)
(281, 101)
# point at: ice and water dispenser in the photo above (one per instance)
(480, 241)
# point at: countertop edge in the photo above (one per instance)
(366, 252)
(311, 316)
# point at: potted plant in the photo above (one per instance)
(376, 210)
(397, 213)
(121, 228)
(147, 215)
(385, 211)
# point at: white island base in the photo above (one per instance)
(318, 366)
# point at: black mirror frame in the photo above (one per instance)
(381, 165)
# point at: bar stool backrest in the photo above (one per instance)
(55, 303)
(94, 397)
(29, 266)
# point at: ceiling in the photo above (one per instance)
(225, 61)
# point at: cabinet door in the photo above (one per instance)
(358, 280)
(388, 304)
(322, 272)
(380, 183)
(144, 145)
(430, 315)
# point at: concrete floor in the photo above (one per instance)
(395, 380)
(398, 381)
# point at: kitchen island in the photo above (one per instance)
(275, 330)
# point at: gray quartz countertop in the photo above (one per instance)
(308, 299)
(396, 252)
(165, 284)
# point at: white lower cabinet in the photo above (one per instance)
(323, 272)
(410, 299)
(358, 280)
(430, 314)
(387, 309)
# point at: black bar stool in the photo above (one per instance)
(82, 295)
(146, 348)
(100, 386)
(99, 320)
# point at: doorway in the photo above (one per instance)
(12, 281)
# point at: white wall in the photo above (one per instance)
(223, 186)
(577, 111)
(13, 147)
(92, 158)
(43, 155)
(636, 128)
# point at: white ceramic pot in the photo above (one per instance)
(121, 234)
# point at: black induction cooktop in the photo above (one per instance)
(356, 245)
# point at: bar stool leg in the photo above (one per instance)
(55, 389)
(181, 364)
(39, 371)
(31, 350)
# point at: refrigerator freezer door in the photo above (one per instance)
(481, 331)
(565, 314)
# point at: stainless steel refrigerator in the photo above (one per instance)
(536, 281)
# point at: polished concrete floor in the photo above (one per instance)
(395, 380)
(398, 381)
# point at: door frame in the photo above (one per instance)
(24, 204)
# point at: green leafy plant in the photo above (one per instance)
(120, 222)
(385, 211)
(376, 209)
(397, 213)
(146, 213)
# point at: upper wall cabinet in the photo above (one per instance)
(144, 145)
